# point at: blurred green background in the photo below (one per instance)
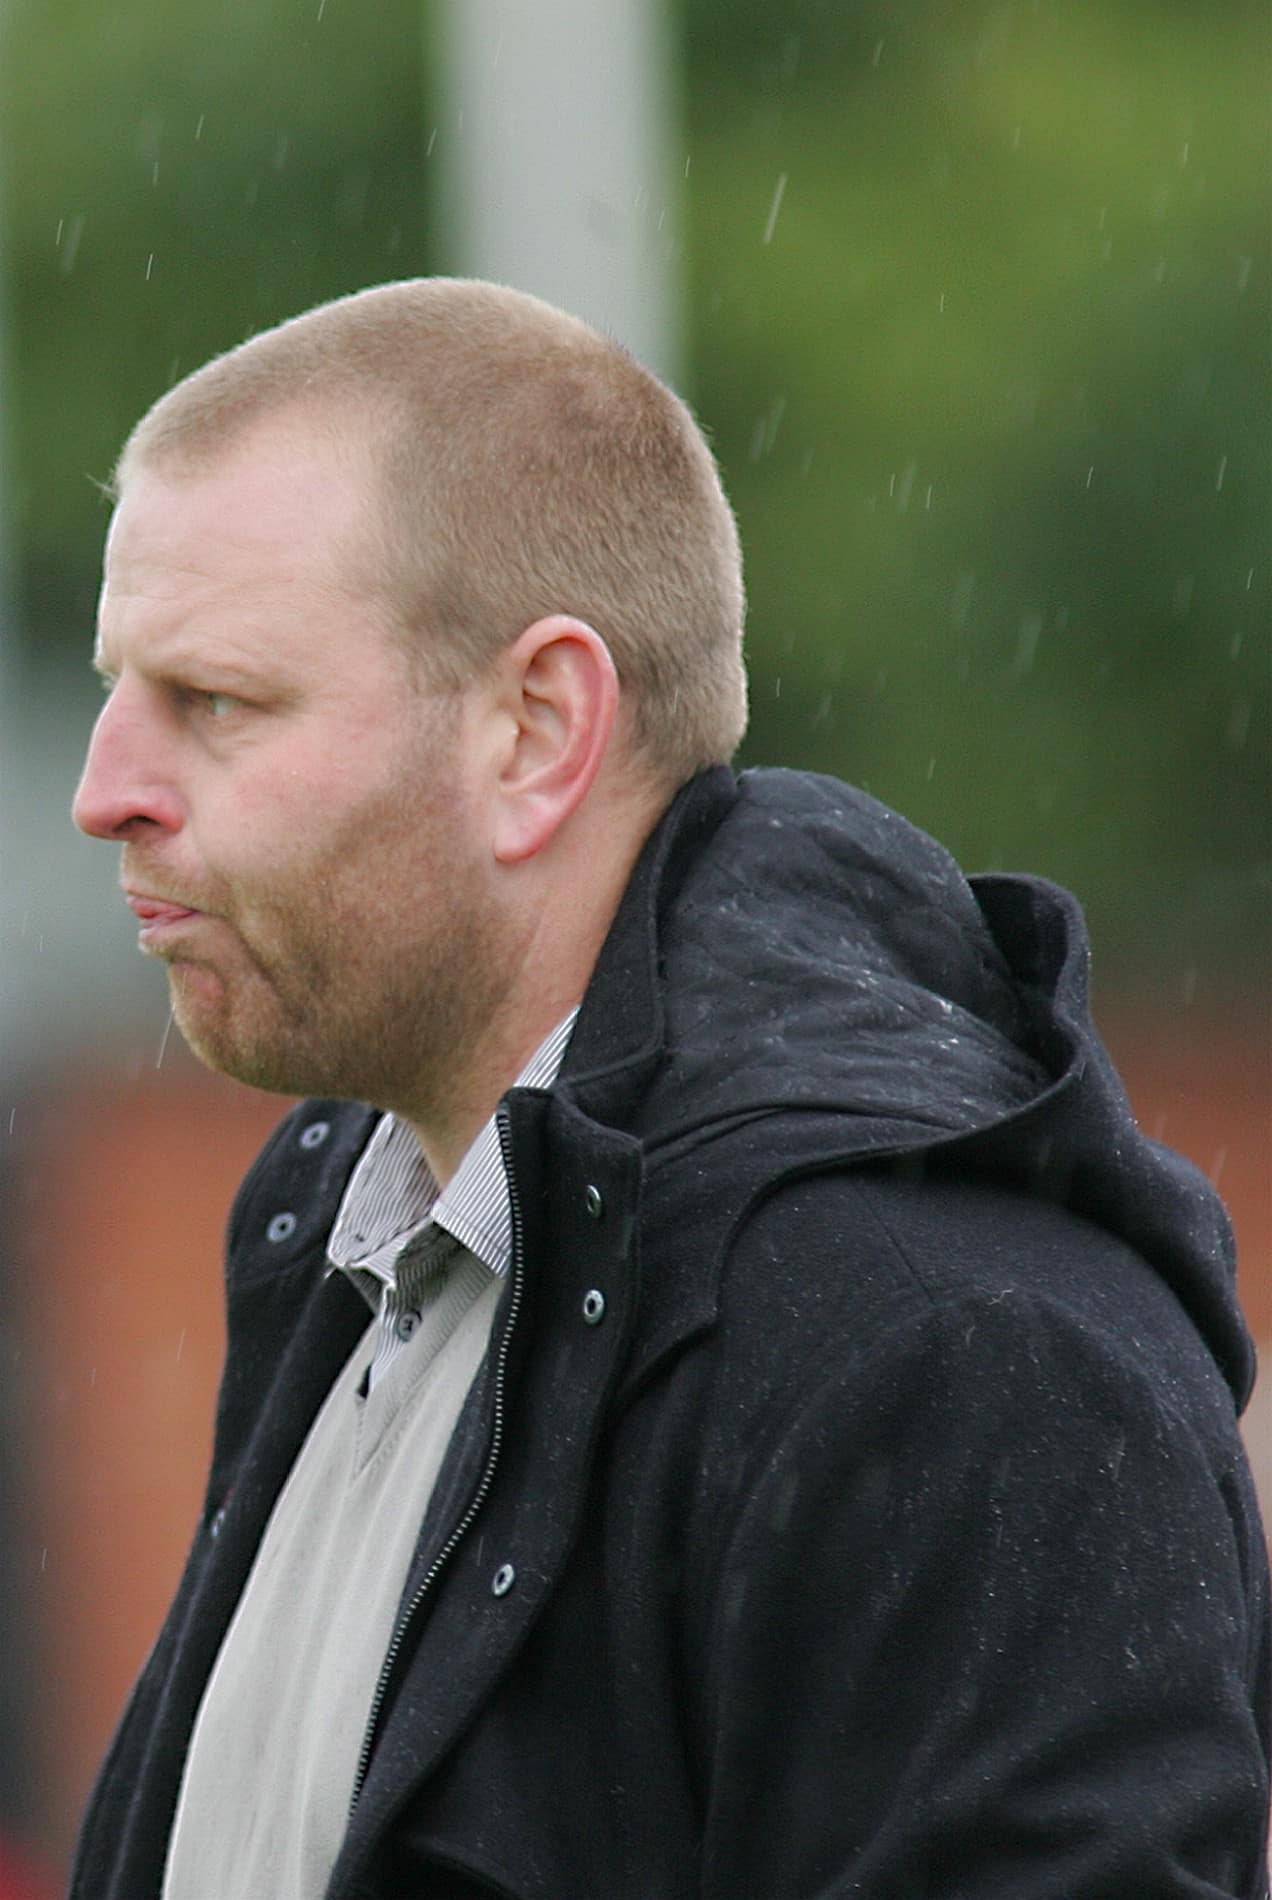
(978, 320)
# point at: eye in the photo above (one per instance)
(219, 705)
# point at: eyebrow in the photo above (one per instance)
(228, 675)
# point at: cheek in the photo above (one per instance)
(328, 830)
(271, 819)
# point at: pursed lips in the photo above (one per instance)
(154, 913)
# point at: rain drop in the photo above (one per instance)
(70, 250)
(774, 209)
(1027, 645)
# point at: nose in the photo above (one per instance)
(127, 786)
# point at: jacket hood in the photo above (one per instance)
(791, 948)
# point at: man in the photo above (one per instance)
(721, 1400)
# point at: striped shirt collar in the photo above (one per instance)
(392, 1200)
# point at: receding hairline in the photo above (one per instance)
(346, 344)
(518, 462)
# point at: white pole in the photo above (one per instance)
(552, 140)
(11, 773)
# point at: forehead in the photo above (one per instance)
(265, 531)
(275, 495)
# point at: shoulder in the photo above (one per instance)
(983, 1377)
(956, 1507)
(861, 1274)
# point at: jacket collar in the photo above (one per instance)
(620, 1031)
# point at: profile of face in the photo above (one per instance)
(299, 820)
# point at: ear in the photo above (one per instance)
(558, 700)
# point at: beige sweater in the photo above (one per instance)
(272, 1760)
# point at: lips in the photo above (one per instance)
(155, 910)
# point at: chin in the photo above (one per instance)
(215, 1032)
(271, 1062)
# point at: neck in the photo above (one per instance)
(447, 1131)
(559, 911)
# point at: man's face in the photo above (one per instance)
(300, 827)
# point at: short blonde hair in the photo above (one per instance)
(524, 464)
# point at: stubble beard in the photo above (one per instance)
(323, 1014)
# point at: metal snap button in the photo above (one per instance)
(593, 1201)
(281, 1227)
(503, 1580)
(594, 1306)
(315, 1134)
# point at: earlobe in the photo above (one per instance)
(560, 686)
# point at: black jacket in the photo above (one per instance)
(851, 1502)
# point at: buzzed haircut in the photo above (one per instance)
(523, 464)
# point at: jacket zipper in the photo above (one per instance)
(517, 1272)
